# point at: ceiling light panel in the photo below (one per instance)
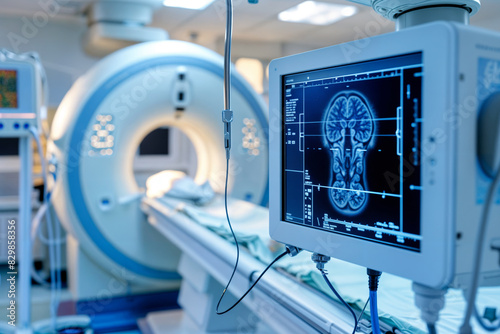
(317, 13)
(189, 4)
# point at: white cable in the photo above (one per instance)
(54, 257)
(36, 231)
(39, 279)
(37, 220)
(478, 254)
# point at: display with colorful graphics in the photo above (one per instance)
(20, 95)
(8, 89)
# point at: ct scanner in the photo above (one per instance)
(97, 131)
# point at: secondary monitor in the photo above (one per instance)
(19, 96)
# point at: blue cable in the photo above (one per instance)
(431, 328)
(373, 277)
(374, 312)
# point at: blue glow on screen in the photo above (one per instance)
(350, 135)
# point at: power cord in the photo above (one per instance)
(472, 292)
(250, 289)
(373, 279)
(363, 310)
(235, 242)
(320, 261)
(227, 119)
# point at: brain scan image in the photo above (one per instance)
(351, 152)
(348, 129)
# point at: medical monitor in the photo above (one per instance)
(18, 97)
(8, 89)
(364, 158)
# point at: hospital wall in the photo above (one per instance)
(58, 42)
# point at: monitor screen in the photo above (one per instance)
(8, 89)
(350, 150)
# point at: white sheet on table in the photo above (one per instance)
(395, 297)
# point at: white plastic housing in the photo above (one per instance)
(453, 185)
(99, 126)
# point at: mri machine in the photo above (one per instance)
(96, 133)
(116, 234)
(111, 247)
(112, 250)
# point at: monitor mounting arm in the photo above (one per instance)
(414, 12)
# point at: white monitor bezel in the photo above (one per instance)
(434, 264)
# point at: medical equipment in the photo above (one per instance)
(408, 13)
(375, 161)
(20, 94)
(96, 132)
(21, 99)
(164, 146)
(116, 24)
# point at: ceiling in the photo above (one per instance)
(259, 23)
(256, 25)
